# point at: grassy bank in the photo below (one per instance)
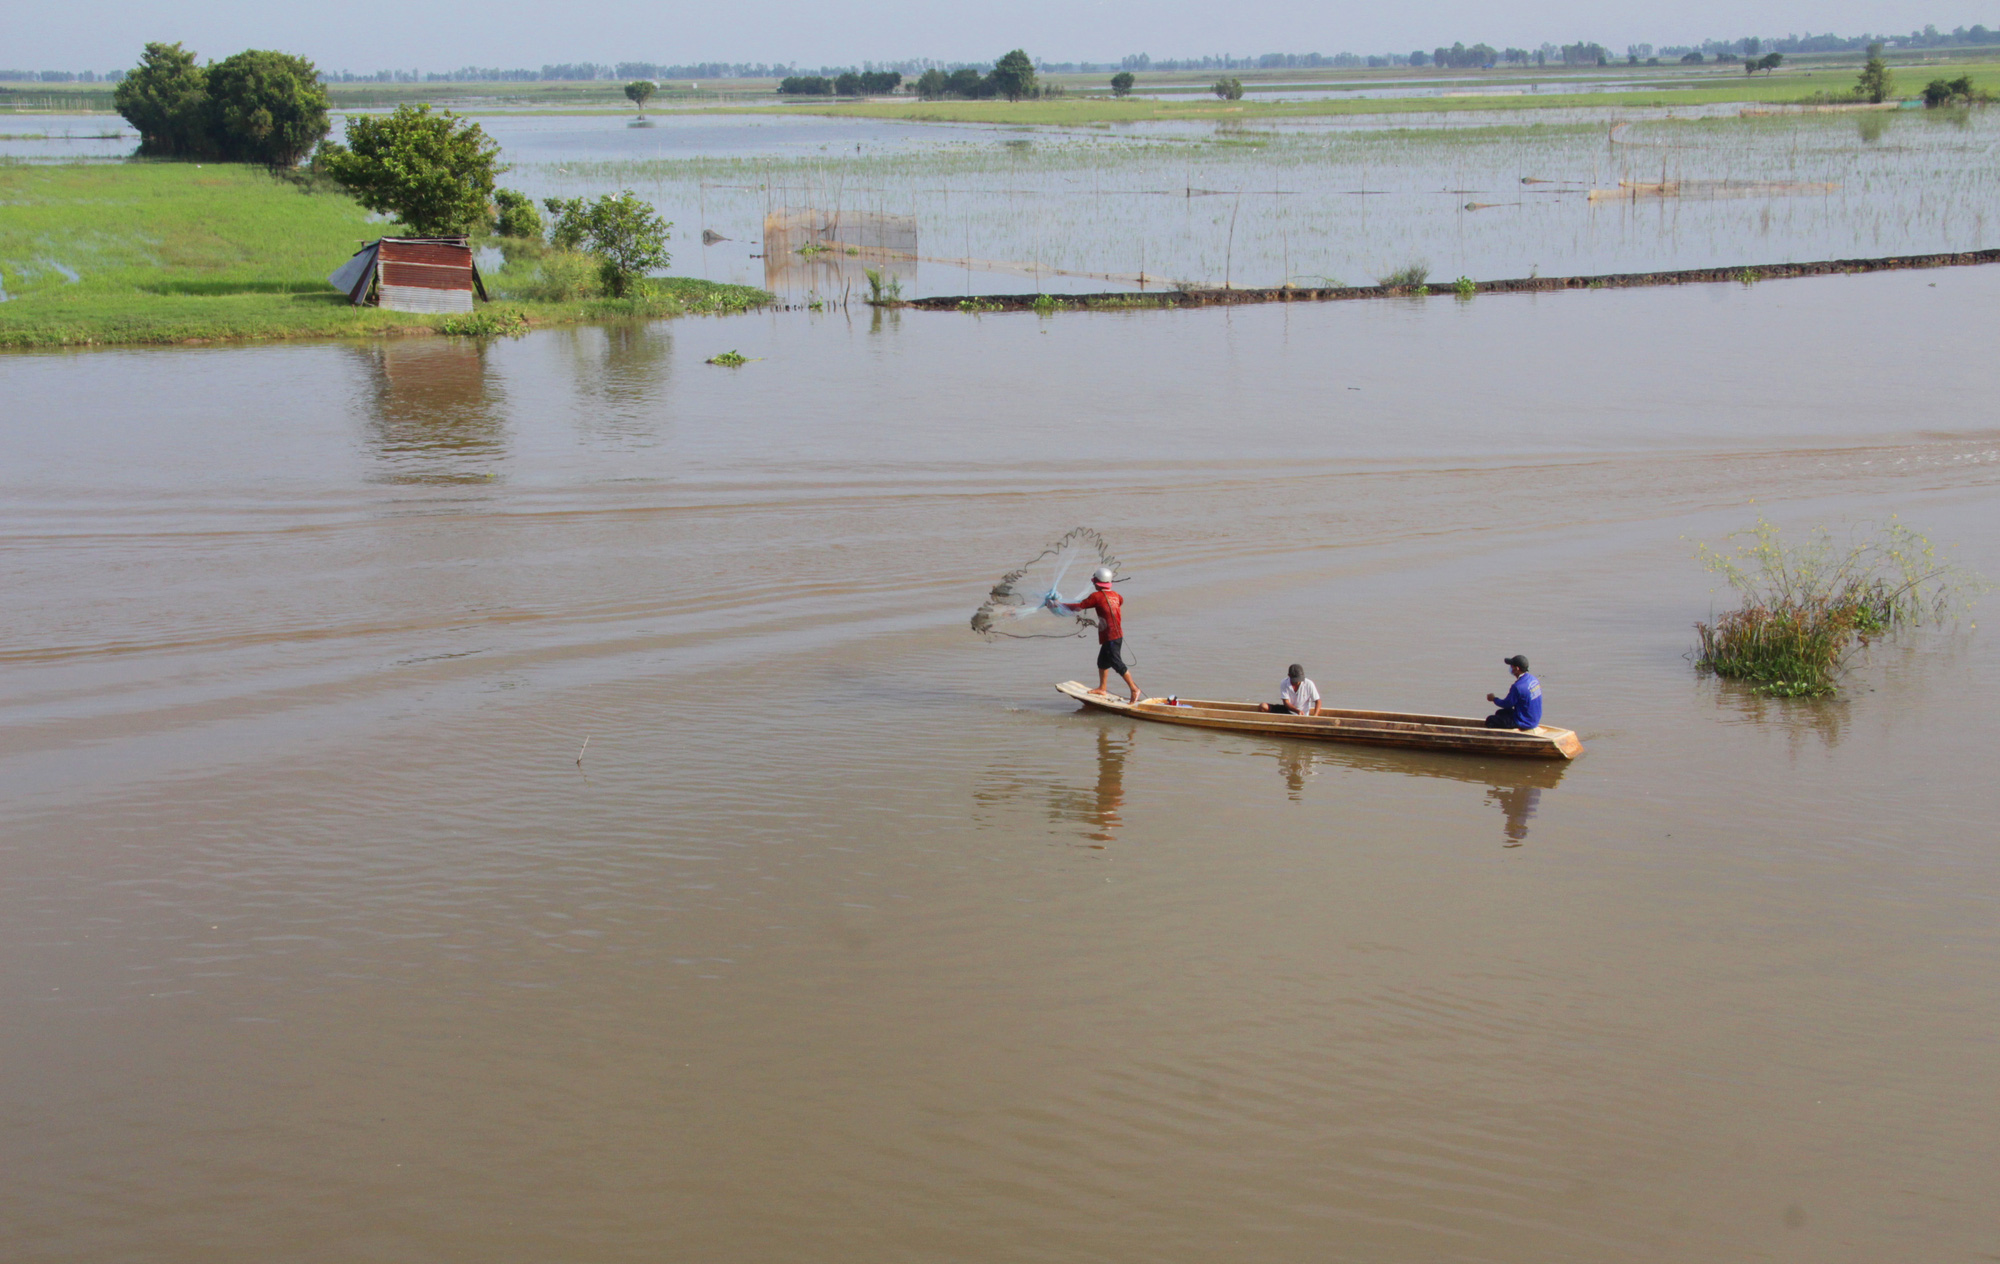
(151, 252)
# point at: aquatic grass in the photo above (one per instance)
(1807, 604)
(1411, 276)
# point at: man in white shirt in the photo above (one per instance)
(1297, 696)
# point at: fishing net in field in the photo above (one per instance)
(1018, 606)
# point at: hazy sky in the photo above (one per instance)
(364, 35)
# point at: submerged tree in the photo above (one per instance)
(1876, 83)
(165, 99)
(434, 172)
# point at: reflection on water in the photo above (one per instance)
(1516, 785)
(435, 413)
(1098, 809)
(1801, 720)
(621, 374)
(832, 274)
(1518, 803)
(1109, 796)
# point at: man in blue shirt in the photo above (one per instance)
(1522, 707)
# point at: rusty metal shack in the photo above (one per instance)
(412, 274)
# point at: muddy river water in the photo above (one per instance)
(845, 938)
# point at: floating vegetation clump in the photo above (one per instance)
(1019, 605)
(1807, 605)
(730, 359)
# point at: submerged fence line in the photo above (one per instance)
(1204, 297)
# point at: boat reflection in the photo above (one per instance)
(1515, 785)
(435, 414)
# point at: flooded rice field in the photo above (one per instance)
(1318, 202)
(541, 799)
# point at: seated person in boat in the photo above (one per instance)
(1296, 696)
(1521, 708)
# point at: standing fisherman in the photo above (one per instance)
(1110, 629)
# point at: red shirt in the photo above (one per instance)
(1110, 621)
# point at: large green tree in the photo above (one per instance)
(1013, 76)
(165, 99)
(265, 107)
(434, 172)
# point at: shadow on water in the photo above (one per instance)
(435, 415)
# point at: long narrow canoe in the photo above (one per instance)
(1372, 728)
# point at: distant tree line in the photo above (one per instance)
(1013, 76)
(868, 83)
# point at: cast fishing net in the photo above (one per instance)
(1018, 606)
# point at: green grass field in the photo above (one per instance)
(149, 252)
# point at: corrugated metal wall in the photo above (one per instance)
(423, 298)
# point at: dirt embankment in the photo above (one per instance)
(1127, 299)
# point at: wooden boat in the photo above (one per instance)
(1461, 734)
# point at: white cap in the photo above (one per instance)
(1102, 575)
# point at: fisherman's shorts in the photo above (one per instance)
(1111, 656)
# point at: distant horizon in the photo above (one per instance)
(103, 37)
(1928, 36)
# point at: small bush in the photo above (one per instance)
(515, 215)
(559, 276)
(1806, 605)
(1465, 287)
(491, 323)
(1410, 276)
(622, 231)
(1229, 89)
(883, 287)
